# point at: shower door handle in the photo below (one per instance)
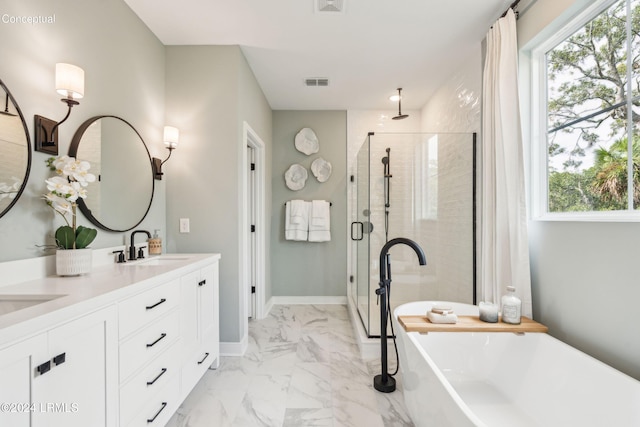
(361, 226)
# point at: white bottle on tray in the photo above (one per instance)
(511, 307)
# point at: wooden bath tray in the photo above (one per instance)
(468, 324)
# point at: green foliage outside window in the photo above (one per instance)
(590, 90)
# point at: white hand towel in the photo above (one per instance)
(319, 212)
(298, 212)
(320, 223)
(299, 230)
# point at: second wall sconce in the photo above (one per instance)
(69, 83)
(171, 139)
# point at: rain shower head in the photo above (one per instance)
(400, 116)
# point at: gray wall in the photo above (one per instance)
(305, 268)
(124, 76)
(210, 91)
(584, 274)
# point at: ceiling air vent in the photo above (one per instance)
(330, 6)
(316, 81)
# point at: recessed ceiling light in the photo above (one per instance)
(394, 98)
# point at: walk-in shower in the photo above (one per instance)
(424, 192)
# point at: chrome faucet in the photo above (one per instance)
(132, 248)
(384, 382)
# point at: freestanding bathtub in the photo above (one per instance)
(497, 379)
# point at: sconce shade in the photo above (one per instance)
(69, 80)
(171, 136)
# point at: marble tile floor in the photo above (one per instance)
(302, 368)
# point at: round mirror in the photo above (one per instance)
(15, 151)
(121, 196)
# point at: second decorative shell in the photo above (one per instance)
(306, 141)
(321, 169)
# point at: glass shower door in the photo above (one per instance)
(360, 234)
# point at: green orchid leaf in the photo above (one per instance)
(65, 237)
(84, 236)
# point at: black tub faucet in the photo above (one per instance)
(384, 382)
(132, 248)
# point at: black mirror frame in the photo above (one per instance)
(73, 151)
(29, 154)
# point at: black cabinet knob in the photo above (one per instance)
(44, 368)
(60, 359)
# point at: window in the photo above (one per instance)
(589, 108)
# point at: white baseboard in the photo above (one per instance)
(283, 300)
(235, 348)
(267, 307)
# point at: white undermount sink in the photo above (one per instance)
(161, 260)
(10, 303)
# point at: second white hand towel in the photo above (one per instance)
(320, 222)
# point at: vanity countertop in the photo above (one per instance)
(75, 296)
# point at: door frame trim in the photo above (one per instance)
(252, 139)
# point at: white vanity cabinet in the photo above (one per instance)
(65, 376)
(120, 347)
(199, 325)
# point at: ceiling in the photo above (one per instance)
(366, 51)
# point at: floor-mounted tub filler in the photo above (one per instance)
(497, 379)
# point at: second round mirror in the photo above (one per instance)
(122, 194)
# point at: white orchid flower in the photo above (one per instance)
(63, 165)
(79, 190)
(60, 204)
(62, 187)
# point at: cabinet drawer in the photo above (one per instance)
(142, 309)
(148, 344)
(160, 408)
(148, 382)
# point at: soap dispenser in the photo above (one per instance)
(511, 307)
(155, 244)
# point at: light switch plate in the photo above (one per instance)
(184, 225)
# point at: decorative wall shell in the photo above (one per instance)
(306, 141)
(295, 177)
(321, 169)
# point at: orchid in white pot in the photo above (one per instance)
(65, 189)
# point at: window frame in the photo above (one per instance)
(539, 126)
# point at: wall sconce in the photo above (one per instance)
(171, 139)
(69, 83)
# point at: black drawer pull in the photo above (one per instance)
(60, 359)
(150, 420)
(203, 359)
(44, 368)
(202, 283)
(157, 341)
(149, 307)
(158, 377)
